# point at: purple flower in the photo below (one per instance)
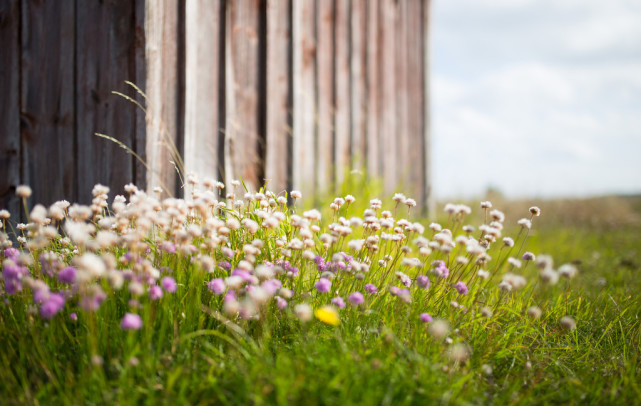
(168, 246)
(52, 305)
(93, 300)
(323, 285)
(73, 317)
(131, 321)
(371, 289)
(129, 256)
(169, 284)
(338, 302)
(67, 275)
(41, 295)
(47, 265)
(271, 286)
(348, 258)
(440, 269)
(461, 287)
(528, 256)
(225, 265)
(426, 318)
(228, 252)
(12, 286)
(246, 276)
(281, 303)
(422, 281)
(217, 286)
(11, 272)
(230, 296)
(405, 280)
(155, 292)
(356, 298)
(12, 253)
(393, 290)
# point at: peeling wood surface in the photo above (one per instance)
(279, 95)
(203, 121)
(242, 125)
(304, 89)
(162, 43)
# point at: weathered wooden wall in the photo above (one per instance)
(312, 89)
(60, 62)
(294, 91)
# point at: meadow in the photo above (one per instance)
(244, 297)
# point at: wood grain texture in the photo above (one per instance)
(325, 57)
(202, 105)
(401, 89)
(343, 105)
(105, 59)
(387, 97)
(162, 35)
(374, 50)
(304, 89)
(242, 127)
(358, 83)
(140, 80)
(415, 108)
(429, 204)
(279, 95)
(10, 106)
(47, 100)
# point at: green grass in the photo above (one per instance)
(188, 352)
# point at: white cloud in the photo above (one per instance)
(536, 98)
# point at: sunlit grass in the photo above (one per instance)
(255, 316)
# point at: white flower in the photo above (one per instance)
(568, 271)
(303, 311)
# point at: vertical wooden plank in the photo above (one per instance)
(387, 96)
(10, 106)
(304, 58)
(162, 34)
(202, 109)
(343, 103)
(358, 84)
(325, 85)
(403, 154)
(242, 129)
(415, 107)
(140, 80)
(47, 99)
(279, 106)
(105, 58)
(374, 42)
(428, 198)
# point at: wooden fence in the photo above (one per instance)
(294, 91)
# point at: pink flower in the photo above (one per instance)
(461, 287)
(323, 285)
(356, 298)
(131, 321)
(425, 318)
(169, 284)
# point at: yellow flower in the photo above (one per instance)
(327, 314)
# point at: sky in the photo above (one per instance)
(536, 98)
